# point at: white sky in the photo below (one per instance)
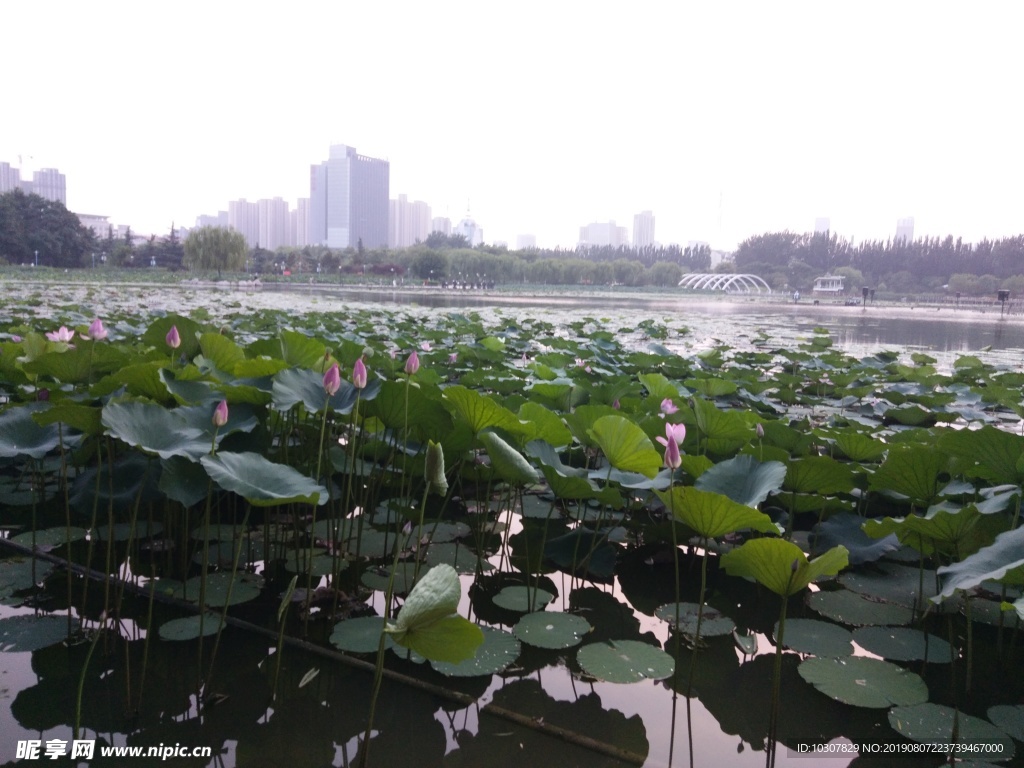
(726, 119)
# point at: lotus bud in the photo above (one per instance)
(434, 470)
(759, 430)
(672, 458)
(668, 407)
(96, 330)
(359, 374)
(220, 414)
(173, 339)
(453, 357)
(412, 364)
(615, 404)
(43, 395)
(332, 380)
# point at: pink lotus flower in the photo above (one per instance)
(675, 432)
(393, 353)
(453, 357)
(332, 380)
(759, 431)
(672, 458)
(425, 346)
(173, 339)
(615, 404)
(220, 414)
(96, 331)
(668, 407)
(359, 374)
(412, 364)
(62, 334)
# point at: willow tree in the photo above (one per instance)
(217, 248)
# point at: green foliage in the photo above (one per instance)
(31, 224)
(215, 248)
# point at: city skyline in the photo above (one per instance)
(725, 122)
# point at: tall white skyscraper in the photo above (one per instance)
(10, 178)
(408, 222)
(50, 184)
(243, 217)
(599, 234)
(441, 224)
(469, 229)
(274, 224)
(300, 223)
(643, 229)
(348, 198)
(905, 229)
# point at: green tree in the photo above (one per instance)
(208, 248)
(430, 264)
(663, 274)
(30, 223)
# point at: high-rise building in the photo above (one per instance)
(408, 223)
(51, 184)
(243, 217)
(300, 223)
(349, 200)
(220, 220)
(643, 229)
(525, 241)
(10, 178)
(274, 223)
(441, 224)
(469, 229)
(905, 229)
(599, 234)
(822, 224)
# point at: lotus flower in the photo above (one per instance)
(62, 334)
(412, 364)
(675, 432)
(359, 374)
(453, 357)
(759, 431)
(672, 458)
(220, 414)
(425, 346)
(96, 331)
(332, 380)
(173, 339)
(668, 407)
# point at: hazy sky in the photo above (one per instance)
(726, 119)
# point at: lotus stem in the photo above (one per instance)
(81, 681)
(281, 619)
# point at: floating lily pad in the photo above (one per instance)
(819, 638)
(50, 538)
(458, 556)
(378, 578)
(850, 608)
(187, 628)
(625, 661)
(933, 724)
(322, 563)
(523, 599)
(864, 682)
(902, 644)
(713, 623)
(20, 634)
(16, 574)
(247, 586)
(122, 531)
(498, 650)
(894, 583)
(1009, 719)
(360, 635)
(546, 629)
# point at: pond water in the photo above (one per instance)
(320, 722)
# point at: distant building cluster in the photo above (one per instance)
(46, 182)
(599, 234)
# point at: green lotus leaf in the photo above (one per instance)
(295, 385)
(1009, 719)
(183, 480)
(711, 514)
(554, 631)
(19, 634)
(625, 661)
(910, 415)
(509, 463)
(261, 482)
(781, 565)
(583, 550)
(20, 435)
(498, 650)
(819, 638)
(864, 682)
(818, 475)
(544, 424)
(961, 531)
(857, 610)
(299, 350)
(857, 446)
(658, 387)
(221, 351)
(77, 365)
(523, 599)
(479, 411)
(989, 453)
(1003, 560)
(711, 387)
(581, 420)
(143, 529)
(724, 431)
(189, 391)
(847, 529)
(625, 445)
(929, 723)
(451, 639)
(892, 582)
(360, 635)
(84, 418)
(242, 586)
(913, 471)
(743, 479)
(683, 617)
(435, 596)
(188, 628)
(140, 379)
(154, 429)
(903, 644)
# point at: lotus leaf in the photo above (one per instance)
(20, 435)
(856, 610)
(625, 445)
(262, 482)
(510, 465)
(498, 650)
(1003, 560)
(864, 682)
(711, 514)
(625, 661)
(929, 723)
(781, 566)
(819, 638)
(743, 479)
(712, 624)
(903, 644)
(545, 629)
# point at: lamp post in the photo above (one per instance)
(37, 259)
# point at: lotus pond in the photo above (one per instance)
(306, 530)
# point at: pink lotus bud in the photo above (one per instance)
(359, 374)
(220, 414)
(332, 380)
(413, 363)
(668, 407)
(173, 339)
(759, 431)
(615, 404)
(96, 331)
(453, 357)
(672, 458)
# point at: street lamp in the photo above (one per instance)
(37, 259)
